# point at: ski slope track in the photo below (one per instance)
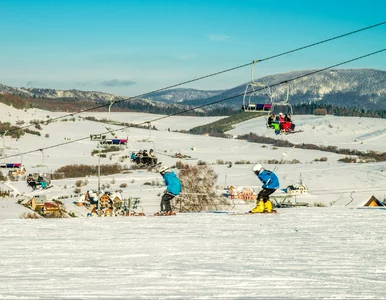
(300, 253)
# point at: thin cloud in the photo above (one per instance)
(117, 82)
(218, 37)
(83, 83)
(31, 83)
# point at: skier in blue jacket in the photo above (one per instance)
(173, 188)
(133, 156)
(270, 185)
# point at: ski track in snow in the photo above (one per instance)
(372, 135)
(298, 253)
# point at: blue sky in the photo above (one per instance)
(133, 47)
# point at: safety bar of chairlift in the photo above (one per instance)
(114, 142)
(257, 107)
(16, 165)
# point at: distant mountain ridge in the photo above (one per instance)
(59, 94)
(182, 95)
(365, 88)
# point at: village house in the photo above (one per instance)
(41, 203)
(51, 208)
(295, 189)
(105, 200)
(36, 201)
(117, 200)
(244, 194)
(247, 194)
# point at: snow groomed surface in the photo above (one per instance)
(298, 253)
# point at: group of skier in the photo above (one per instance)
(35, 183)
(281, 123)
(144, 157)
(263, 204)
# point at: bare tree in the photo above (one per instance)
(198, 189)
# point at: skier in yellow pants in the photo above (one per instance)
(270, 185)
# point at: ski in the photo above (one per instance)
(236, 212)
(292, 132)
(164, 214)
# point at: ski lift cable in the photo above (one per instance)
(214, 74)
(218, 101)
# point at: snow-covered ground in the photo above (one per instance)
(300, 253)
(336, 251)
(328, 182)
(343, 132)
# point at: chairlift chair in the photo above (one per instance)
(40, 167)
(253, 92)
(13, 168)
(115, 140)
(283, 105)
(150, 138)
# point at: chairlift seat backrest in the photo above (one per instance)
(115, 142)
(259, 106)
(17, 165)
(267, 106)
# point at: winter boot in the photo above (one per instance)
(259, 207)
(268, 206)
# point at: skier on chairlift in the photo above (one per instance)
(31, 182)
(42, 181)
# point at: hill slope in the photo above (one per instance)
(365, 88)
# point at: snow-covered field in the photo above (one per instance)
(335, 251)
(343, 132)
(300, 253)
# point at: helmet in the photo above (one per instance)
(280, 114)
(257, 168)
(163, 169)
(41, 174)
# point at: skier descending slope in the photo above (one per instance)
(173, 188)
(270, 185)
